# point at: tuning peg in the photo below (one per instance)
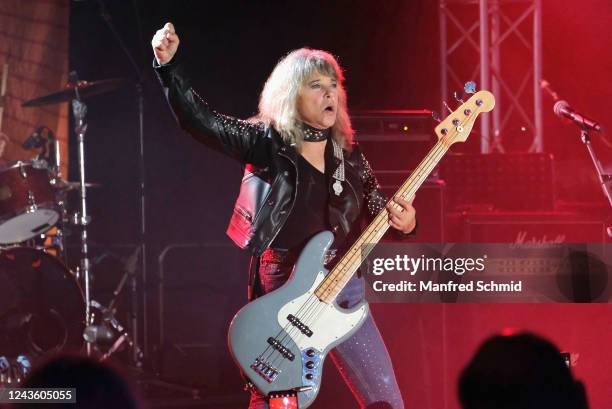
(470, 87)
(436, 116)
(458, 97)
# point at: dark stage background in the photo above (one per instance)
(390, 50)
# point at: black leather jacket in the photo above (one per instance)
(268, 187)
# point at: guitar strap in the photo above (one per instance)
(339, 173)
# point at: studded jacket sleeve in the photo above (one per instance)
(375, 199)
(223, 133)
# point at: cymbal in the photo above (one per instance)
(66, 185)
(86, 89)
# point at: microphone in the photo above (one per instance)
(563, 109)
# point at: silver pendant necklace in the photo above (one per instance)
(337, 187)
(339, 173)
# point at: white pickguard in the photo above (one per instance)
(331, 322)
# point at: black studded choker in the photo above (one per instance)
(312, 134)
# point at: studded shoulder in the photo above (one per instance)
(374, 198)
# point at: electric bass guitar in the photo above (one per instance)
(280, 340)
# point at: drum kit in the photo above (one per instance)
(45, 307)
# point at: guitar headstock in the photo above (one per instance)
(457, 126)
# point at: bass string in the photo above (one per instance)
(379, 221)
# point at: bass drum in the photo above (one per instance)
(42, 309)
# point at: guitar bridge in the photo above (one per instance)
(265, 370)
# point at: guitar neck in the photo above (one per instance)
(335, 281)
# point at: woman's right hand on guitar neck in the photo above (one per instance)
(165, 42)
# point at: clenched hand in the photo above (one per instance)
(165, 42)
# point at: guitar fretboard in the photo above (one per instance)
(342, 272)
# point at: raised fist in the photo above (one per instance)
(165, 42)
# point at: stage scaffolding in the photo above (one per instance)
(496, 22)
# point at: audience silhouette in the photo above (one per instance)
(521, 371)
(98, 385)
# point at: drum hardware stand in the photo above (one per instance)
(108, 314)
(109, 319)
(82, 219)
(79, 110)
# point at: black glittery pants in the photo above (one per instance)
(363, 360)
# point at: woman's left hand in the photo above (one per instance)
(404, 218)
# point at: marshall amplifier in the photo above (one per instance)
(524, 227)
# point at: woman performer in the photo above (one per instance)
(303, 174)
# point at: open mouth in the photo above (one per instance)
(329, 109)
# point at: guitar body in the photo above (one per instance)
(280, 340)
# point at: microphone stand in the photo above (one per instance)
(137, 351)
(604, 178)
(156, 381)
(137, 354)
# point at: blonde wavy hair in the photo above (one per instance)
(278, 100)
